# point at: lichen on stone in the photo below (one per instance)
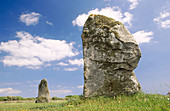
(110, 56)
(43, 92)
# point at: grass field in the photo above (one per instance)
(137, 102)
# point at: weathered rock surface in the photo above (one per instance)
(43, 92)
(168, 94)
(110, 56)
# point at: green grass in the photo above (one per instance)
(30, 106)
(137, 102)
(12, 98)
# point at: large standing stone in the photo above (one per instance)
(43, 92)
(110, 56)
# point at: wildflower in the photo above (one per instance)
(168, 99)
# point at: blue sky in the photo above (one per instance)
(42, 39)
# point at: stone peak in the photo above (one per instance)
(44, 80)
(96, 25)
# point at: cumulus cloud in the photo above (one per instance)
(134, 3)
(112, 12)
(32, 85)
(33, 52)
(62, 64)
(78, 62)
(81, 86)
(9, 91)
(34, 81)
(33, 67)
(143, 37)
(30, 18)
(4, 84)
(164, 19)
(58, 86)
(49, 23)
(75, 62)
(56, 68)
(47, 65)
(67, 91)
(70, 69)
(25, 61)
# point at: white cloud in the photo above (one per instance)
(33, 52)
(56, 68)
(30, 18)
(112, 12)
(47, 65)
(70, 69)
(62, 64)
(49, 23)
(33, 86)
(9, 91)
(134, 3)
(61, 91)
(58, 86)
(165, 24)
(78, 62)
(143, 37)
(127, 19)
(33, 67)
(164, 19)
(4, 84)
(19, 61)
(81, 86)
(34, 81)
(79, 45)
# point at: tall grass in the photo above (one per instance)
(137, 102)
(13, 98)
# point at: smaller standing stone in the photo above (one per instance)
(168, 94)
(43, 92)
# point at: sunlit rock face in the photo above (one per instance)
(43, 92)
(110, 56)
